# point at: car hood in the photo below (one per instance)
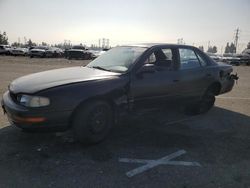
(43, 80)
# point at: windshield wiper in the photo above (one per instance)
(100, 68)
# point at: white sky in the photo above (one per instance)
(127, 21)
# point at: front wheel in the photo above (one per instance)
(92, 122)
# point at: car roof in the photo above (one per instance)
(150, 45)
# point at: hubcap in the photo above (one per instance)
(98, 119)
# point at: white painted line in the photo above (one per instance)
(153, 163)
(144, 161)
(182, 163)
(237, 98)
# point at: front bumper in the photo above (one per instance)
(33, 118)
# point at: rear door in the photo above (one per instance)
(193, 75)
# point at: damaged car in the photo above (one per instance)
(91, 99)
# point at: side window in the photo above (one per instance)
(161, 57)
(188, 59)
(201, 59)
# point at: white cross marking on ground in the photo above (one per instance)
(153, 163)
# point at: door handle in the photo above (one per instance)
(176, 80)
(208, 75)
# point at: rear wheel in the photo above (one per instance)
(92, 122)
(203, 105)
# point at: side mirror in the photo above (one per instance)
(147, 68)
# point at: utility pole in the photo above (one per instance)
(236, 38)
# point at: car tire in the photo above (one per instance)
(31, 56)
(202, 106)
(92, 122)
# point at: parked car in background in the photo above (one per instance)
(244, 59)
(38, 51)
(231, 59)
(19, 51)
(45, 51)
(245, 56)
(215, 57)
(5, 50)
(78, 52)
(54, 52)
(97, 53)
(124, 80)
(246, 51)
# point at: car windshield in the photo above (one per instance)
(118, 59)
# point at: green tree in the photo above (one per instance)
(3, 38)
(30, 43)
(227, 49)
(201, 48)
(248, 45)
(16, 44)
(44, 44)
(230, 48)
(212, 49)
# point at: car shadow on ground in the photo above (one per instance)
(218, 137)
(153, 131)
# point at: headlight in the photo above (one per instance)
(33, 101)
